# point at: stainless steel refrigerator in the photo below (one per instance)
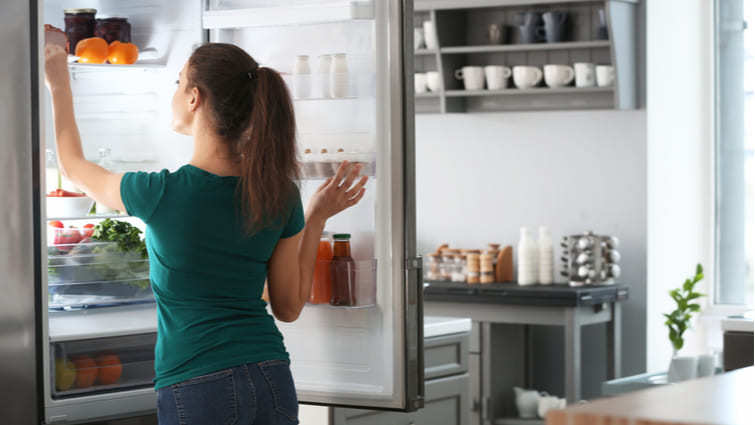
(77, 326)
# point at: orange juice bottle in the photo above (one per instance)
(322, 286)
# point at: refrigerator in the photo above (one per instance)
(78, 321)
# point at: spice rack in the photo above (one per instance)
(460, 28)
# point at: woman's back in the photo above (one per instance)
(207, 272)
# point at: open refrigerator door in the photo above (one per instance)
(344, 64)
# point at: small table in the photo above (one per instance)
(555, 305)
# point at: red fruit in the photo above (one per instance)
(87, 232)
(57, 224)
(68, 236)
(86, 371)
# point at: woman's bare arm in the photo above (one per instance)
(293, 262)
(97, 182)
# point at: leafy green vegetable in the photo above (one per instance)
(124, 234)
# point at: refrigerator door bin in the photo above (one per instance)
(88, 367)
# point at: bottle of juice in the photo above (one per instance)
(343, 272)
(321, 280)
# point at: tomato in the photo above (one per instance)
(68, 236)
(88, 230)
(60, 193)
(57, 224)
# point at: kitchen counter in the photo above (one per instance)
(718, 400)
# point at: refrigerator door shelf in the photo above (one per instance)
(102, 323)
(339, 11)
(323, 169)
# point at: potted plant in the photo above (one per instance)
(678, 322)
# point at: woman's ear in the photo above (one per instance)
(194, 101)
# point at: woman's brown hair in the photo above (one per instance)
(251, 110)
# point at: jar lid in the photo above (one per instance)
(342, 236)
(79, 11)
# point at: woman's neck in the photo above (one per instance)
(211, 155)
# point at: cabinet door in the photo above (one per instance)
(447, 403)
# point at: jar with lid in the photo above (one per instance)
(473, 268)
(113, 29)
(447, 264)
(432, 266)
(79, 24)
(105, 163)
(322, 287)
(487, 271)
(343, 272)
(459, 273)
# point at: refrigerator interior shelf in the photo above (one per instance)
(89, 217)
(323, 99)
(77, 68)
(102, 323)
(289, 15)
(144, 381)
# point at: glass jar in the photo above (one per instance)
(79, 24)
(343, 272)
(322, 287)
(113, 29)
(105, 163)
(52, 176)
(459, 273)
(432, 267)
(448, 264)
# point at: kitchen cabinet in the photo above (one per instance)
(447, 398)
(461, 28)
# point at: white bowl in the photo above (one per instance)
(72, 206)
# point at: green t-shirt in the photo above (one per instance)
(207, 274)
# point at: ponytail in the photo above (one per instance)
(268, 154)
(251, 110)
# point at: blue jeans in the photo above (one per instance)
(250, 394)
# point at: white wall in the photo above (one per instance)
(482, 176)
(680, 172)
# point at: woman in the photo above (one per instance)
(217, 228)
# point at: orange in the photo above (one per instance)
(110, 369)
(122, 53)
(86, 371)
(92, 50)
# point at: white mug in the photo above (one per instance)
(558, 75)
(584, 74)
(706, 365)
(473, 77)
(431, 41)
(433, 80)
(420, 82)
(419, 38)
(496, 76)
(605, 75)
(526, 77)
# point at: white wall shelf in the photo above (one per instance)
(524, 92)
(288, 15)
(425, 5)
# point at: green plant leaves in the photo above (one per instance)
(678, 321)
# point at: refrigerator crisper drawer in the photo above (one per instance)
(88, 367)
(91, 274)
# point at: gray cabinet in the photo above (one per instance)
(446, 389)
(460, 28)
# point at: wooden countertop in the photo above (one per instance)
(727, 399)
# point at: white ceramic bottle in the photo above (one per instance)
(545, 256)
(323, 75)
(526, 258)
(301, 77)
(339, 76)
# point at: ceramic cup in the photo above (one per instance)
(431, 41)
(584, 74)
(420, 82)
(558, 75)
(682, 368)
(433, 80)
(526, 77)
(605, 75)
(496, 76)
(473, 77)
(547, 403)
(706, 365)
(495, 34)
(526, 402)
(419, 38)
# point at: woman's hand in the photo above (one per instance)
(56, 67)
(337, 193)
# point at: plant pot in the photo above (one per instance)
(682, 368)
